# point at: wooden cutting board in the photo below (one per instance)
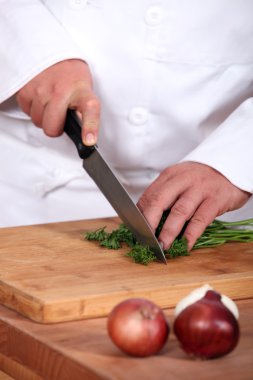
(49, 273)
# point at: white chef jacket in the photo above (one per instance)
(175, 79)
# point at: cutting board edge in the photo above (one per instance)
(22, 302)
(87, 308)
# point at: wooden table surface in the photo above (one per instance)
(3, 376)
(52, 264)
(82, 350)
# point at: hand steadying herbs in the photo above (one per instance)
(216, 233)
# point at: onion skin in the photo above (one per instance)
(138, 327)
(207, 329)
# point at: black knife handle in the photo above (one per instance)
(73, 129)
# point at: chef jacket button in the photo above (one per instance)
(153, 15)
(77, 4)
(138, 115)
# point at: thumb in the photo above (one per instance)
(90, 121)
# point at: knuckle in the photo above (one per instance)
(91, 125)
(166, 231)
(93, 104)
(167, 172)
(194, 230)
(39, 91)
(142, 202)
(180, 209)
(190, 234)
(199, 220)
(149, 199)
(57, 90)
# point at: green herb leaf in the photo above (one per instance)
(98, 235)
(178, 248)
(126, 236)
(217, 233)
(141, 254)
(111, 241)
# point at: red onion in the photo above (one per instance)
(207, 327)
(138, 327)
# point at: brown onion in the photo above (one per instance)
(138, 327)
(208, 327)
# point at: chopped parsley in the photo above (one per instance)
(216, 233)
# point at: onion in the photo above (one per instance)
(138, 327)
(207, 327)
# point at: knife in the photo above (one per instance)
(101, 173)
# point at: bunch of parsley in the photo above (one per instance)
(216, 233)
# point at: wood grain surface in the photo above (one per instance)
(82, 350)
(3, 376)
(49, 273)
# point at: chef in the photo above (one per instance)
(165, 88)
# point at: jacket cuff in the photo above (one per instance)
(229, 148)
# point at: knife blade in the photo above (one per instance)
(102, 174)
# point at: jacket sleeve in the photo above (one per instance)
(229, 149)
(32, 39)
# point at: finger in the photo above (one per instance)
(204, 215)
(90, 121)
(36, 112)
(180, 213)
(153, 216)
(24, 101)
(54, 116)
(159, 198)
